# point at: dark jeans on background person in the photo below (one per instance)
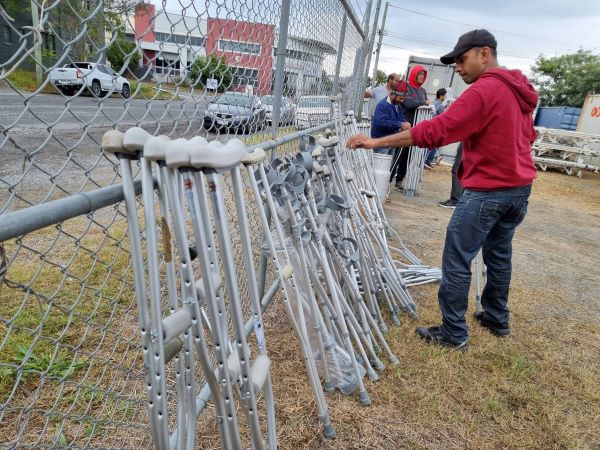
(399, 169)
(485, 219)
(457, 189)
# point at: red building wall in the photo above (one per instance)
(239, 31)
(144, 29)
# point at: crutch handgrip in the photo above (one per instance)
(326, 170)
(287, 272)
(175, 324)
(178, 154)
(335, 98)
(260, 372)
(217, 282)
(254, 157)
(328, 142)
(155, 148)
(112, 142)
(172, 348)
(317, 152)
(349, 176)
(135, 138)
(215, 155)
(233, 365)
(369, 194)
(317, 168)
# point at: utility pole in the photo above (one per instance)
(379, 45)
(372, 39)
(37, 42)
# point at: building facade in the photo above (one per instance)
(248, 49)
(169, 43)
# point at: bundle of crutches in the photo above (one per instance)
(360, 163)
(416, 158)
(326, 235)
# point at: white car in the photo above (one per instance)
(313, 110)
(98, 78)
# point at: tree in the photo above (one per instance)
(565, 80)
(121, 52)
(380, 78)
(214, 67)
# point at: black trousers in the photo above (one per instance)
(400, 164)
(457, 189)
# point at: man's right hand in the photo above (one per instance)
(359, 141)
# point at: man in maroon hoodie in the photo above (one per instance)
(493, 119)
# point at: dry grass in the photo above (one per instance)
(535, 389)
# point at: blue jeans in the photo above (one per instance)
(431, 153)
(384, 150)
(485, 219)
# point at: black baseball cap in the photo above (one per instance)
(475, 38)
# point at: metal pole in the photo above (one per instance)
(37, 43)
(280, 65)
(353, 17)
(381, 30)
(372, 39)
(361, 61)
(23, 221)
(338, 63)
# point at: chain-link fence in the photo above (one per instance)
(71, 367)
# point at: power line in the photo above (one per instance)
(441, 44)
(493, 29)
(413, 49)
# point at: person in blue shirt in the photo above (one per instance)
(389, 116)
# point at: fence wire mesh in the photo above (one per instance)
(71, 368)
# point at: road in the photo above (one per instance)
(72, 113)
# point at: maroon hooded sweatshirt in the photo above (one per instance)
(493, 119)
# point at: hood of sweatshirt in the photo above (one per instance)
(524, 92)
(412, 76)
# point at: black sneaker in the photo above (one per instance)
(495, 328)
(437, 336)
(398, 187)
(448, 204)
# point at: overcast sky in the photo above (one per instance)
(524, 29)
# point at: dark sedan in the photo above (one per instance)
(235, 110)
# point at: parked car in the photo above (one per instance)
(312, 110)
(288, 110)
(98, 78)
(236, 110)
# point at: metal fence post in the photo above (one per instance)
(381, 30)
(280, 65)
(372, 39)
(338, 63)
(361, 61)
(37, 42)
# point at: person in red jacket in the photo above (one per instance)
(493, 119)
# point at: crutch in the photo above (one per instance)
(179, 158)
(179, 320)
(213, 158)
(112, 142)
(285, 274)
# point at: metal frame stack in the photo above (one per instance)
(565, 150)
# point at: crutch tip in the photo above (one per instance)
(328, 386)
(365, 400)
(328, 431)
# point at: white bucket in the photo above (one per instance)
(381, 169)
